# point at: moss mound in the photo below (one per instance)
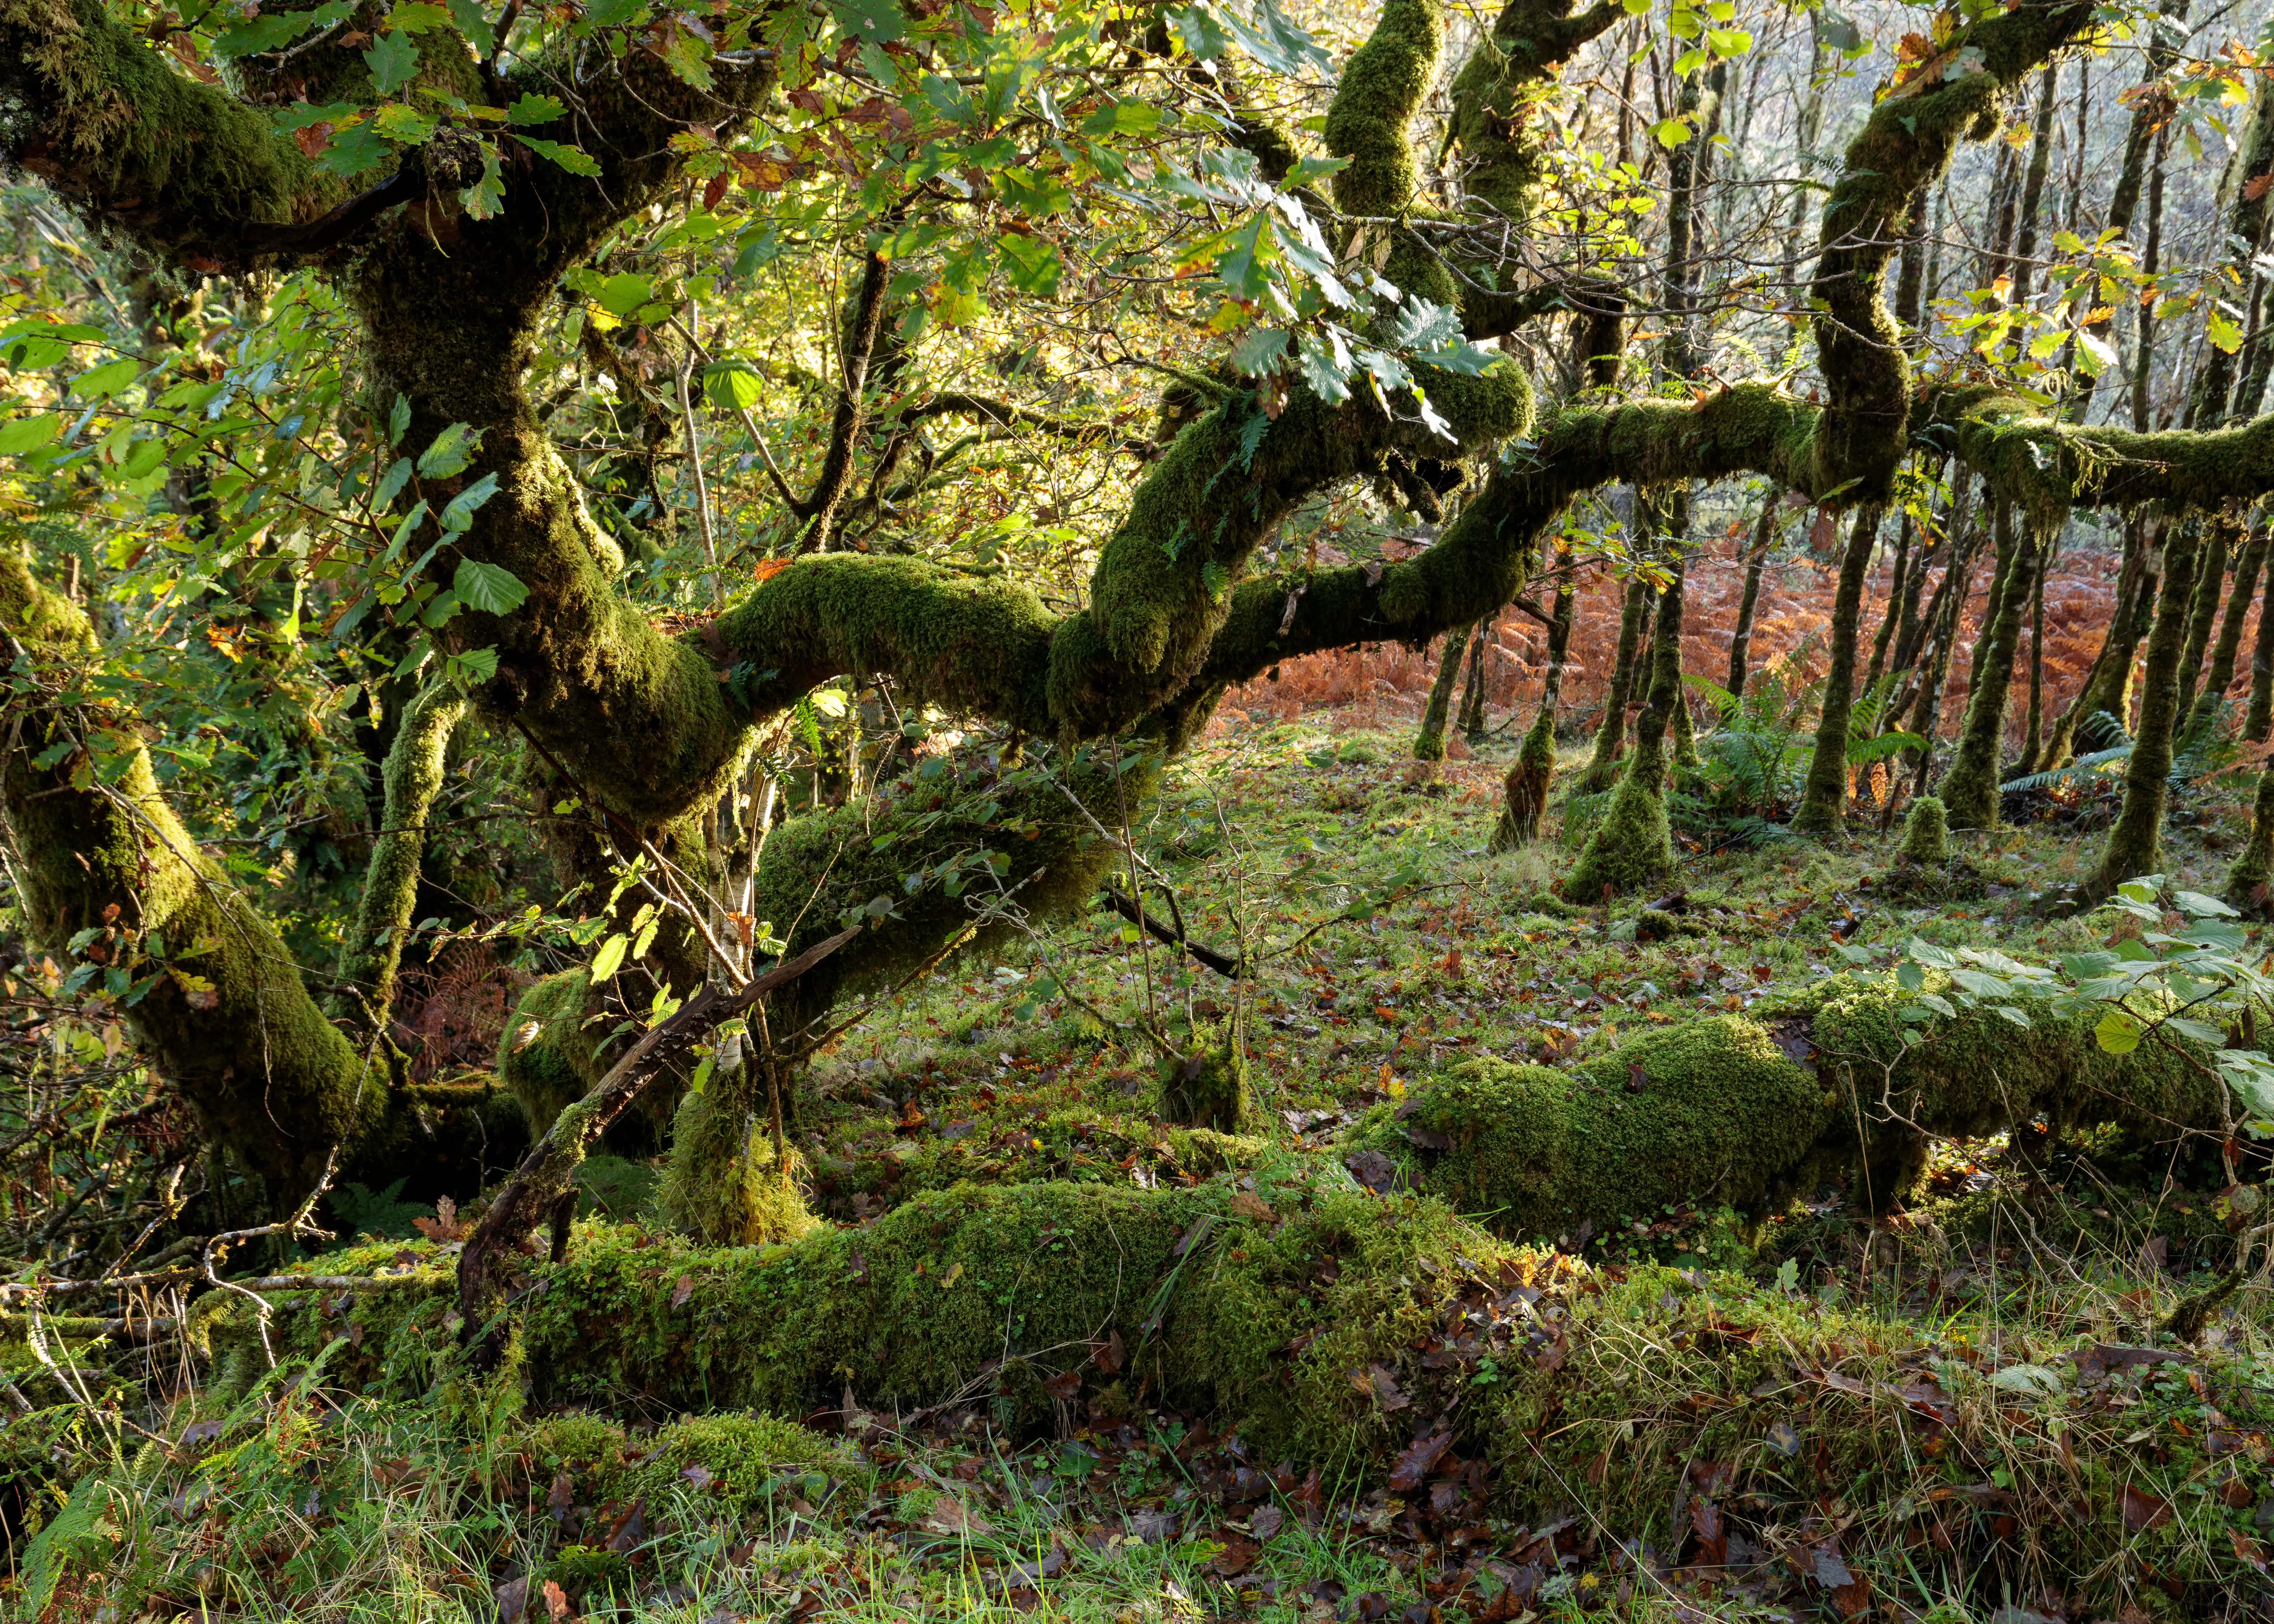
(1926, 834)
(1715, 1104)
(1632, 846)
(1256, 1306)
(1751, 1107)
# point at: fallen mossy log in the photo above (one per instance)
(1386, 1341)
(1749, 1110)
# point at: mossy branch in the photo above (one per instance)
(1904, 146)
(411, 779)
(227, 1021)
(541, 1182)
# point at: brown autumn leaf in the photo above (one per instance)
(1236, 1555)
(2246, 1549)
(2255, 188)
(444, 1225)
(1248, 1204)
(1382, 1385)
(1415, 1459)
(512, 1599)
(949, 1515)
(2143, 1509)
(684, 1290)
(1712, 1537)
(1109, 1355)
(556, 1600)
(1267, 1521)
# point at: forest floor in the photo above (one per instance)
(2057, 1260)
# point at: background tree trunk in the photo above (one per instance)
(1741, 637)
(1969, 789)
(2247, 565)
(2135, 843)
(1532, 774)
(1429, 743)
(1823, 809)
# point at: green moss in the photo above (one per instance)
(411, 777)
(1926, 835)
(1525, 790)
(724, 1184)
(103, 118)
(229, 1025)
(1749, 1108)
(1007, 1287)
(1719, 1107)
(735, 1460)
(1380, 91)
(971, 645)
(551, 1067)
(1209, 1090)
(1632, 846)
(2248, 882)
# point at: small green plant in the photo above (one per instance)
(2187, 971)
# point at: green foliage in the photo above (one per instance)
(2185, 981)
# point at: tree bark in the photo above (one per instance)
(1429, 744)
(412, 776)
(1757, 555)
(1523, 792)
(2210, 588)
(1634, 842)
(2260, 719)
(1898, 587)
(2248, 563)
(1823, 809)
(1969, 789)
(1610, 735)
(2033, 732)
(2135, 845)
(1472, 690)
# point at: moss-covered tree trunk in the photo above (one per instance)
(1429, 743)
(110, 878)
(1823, 809)
(1749, 598)
(2107, 682)
(1472, 690)
(1969, 789)
(1610, 734)
(1898, 591)
(2211, 552)
(2247, 564)
(2135, 843)
(2250, 882)
(411, 777)
(1523, 792)
(2033, 727)
(1633, 845)
(2259, 720)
